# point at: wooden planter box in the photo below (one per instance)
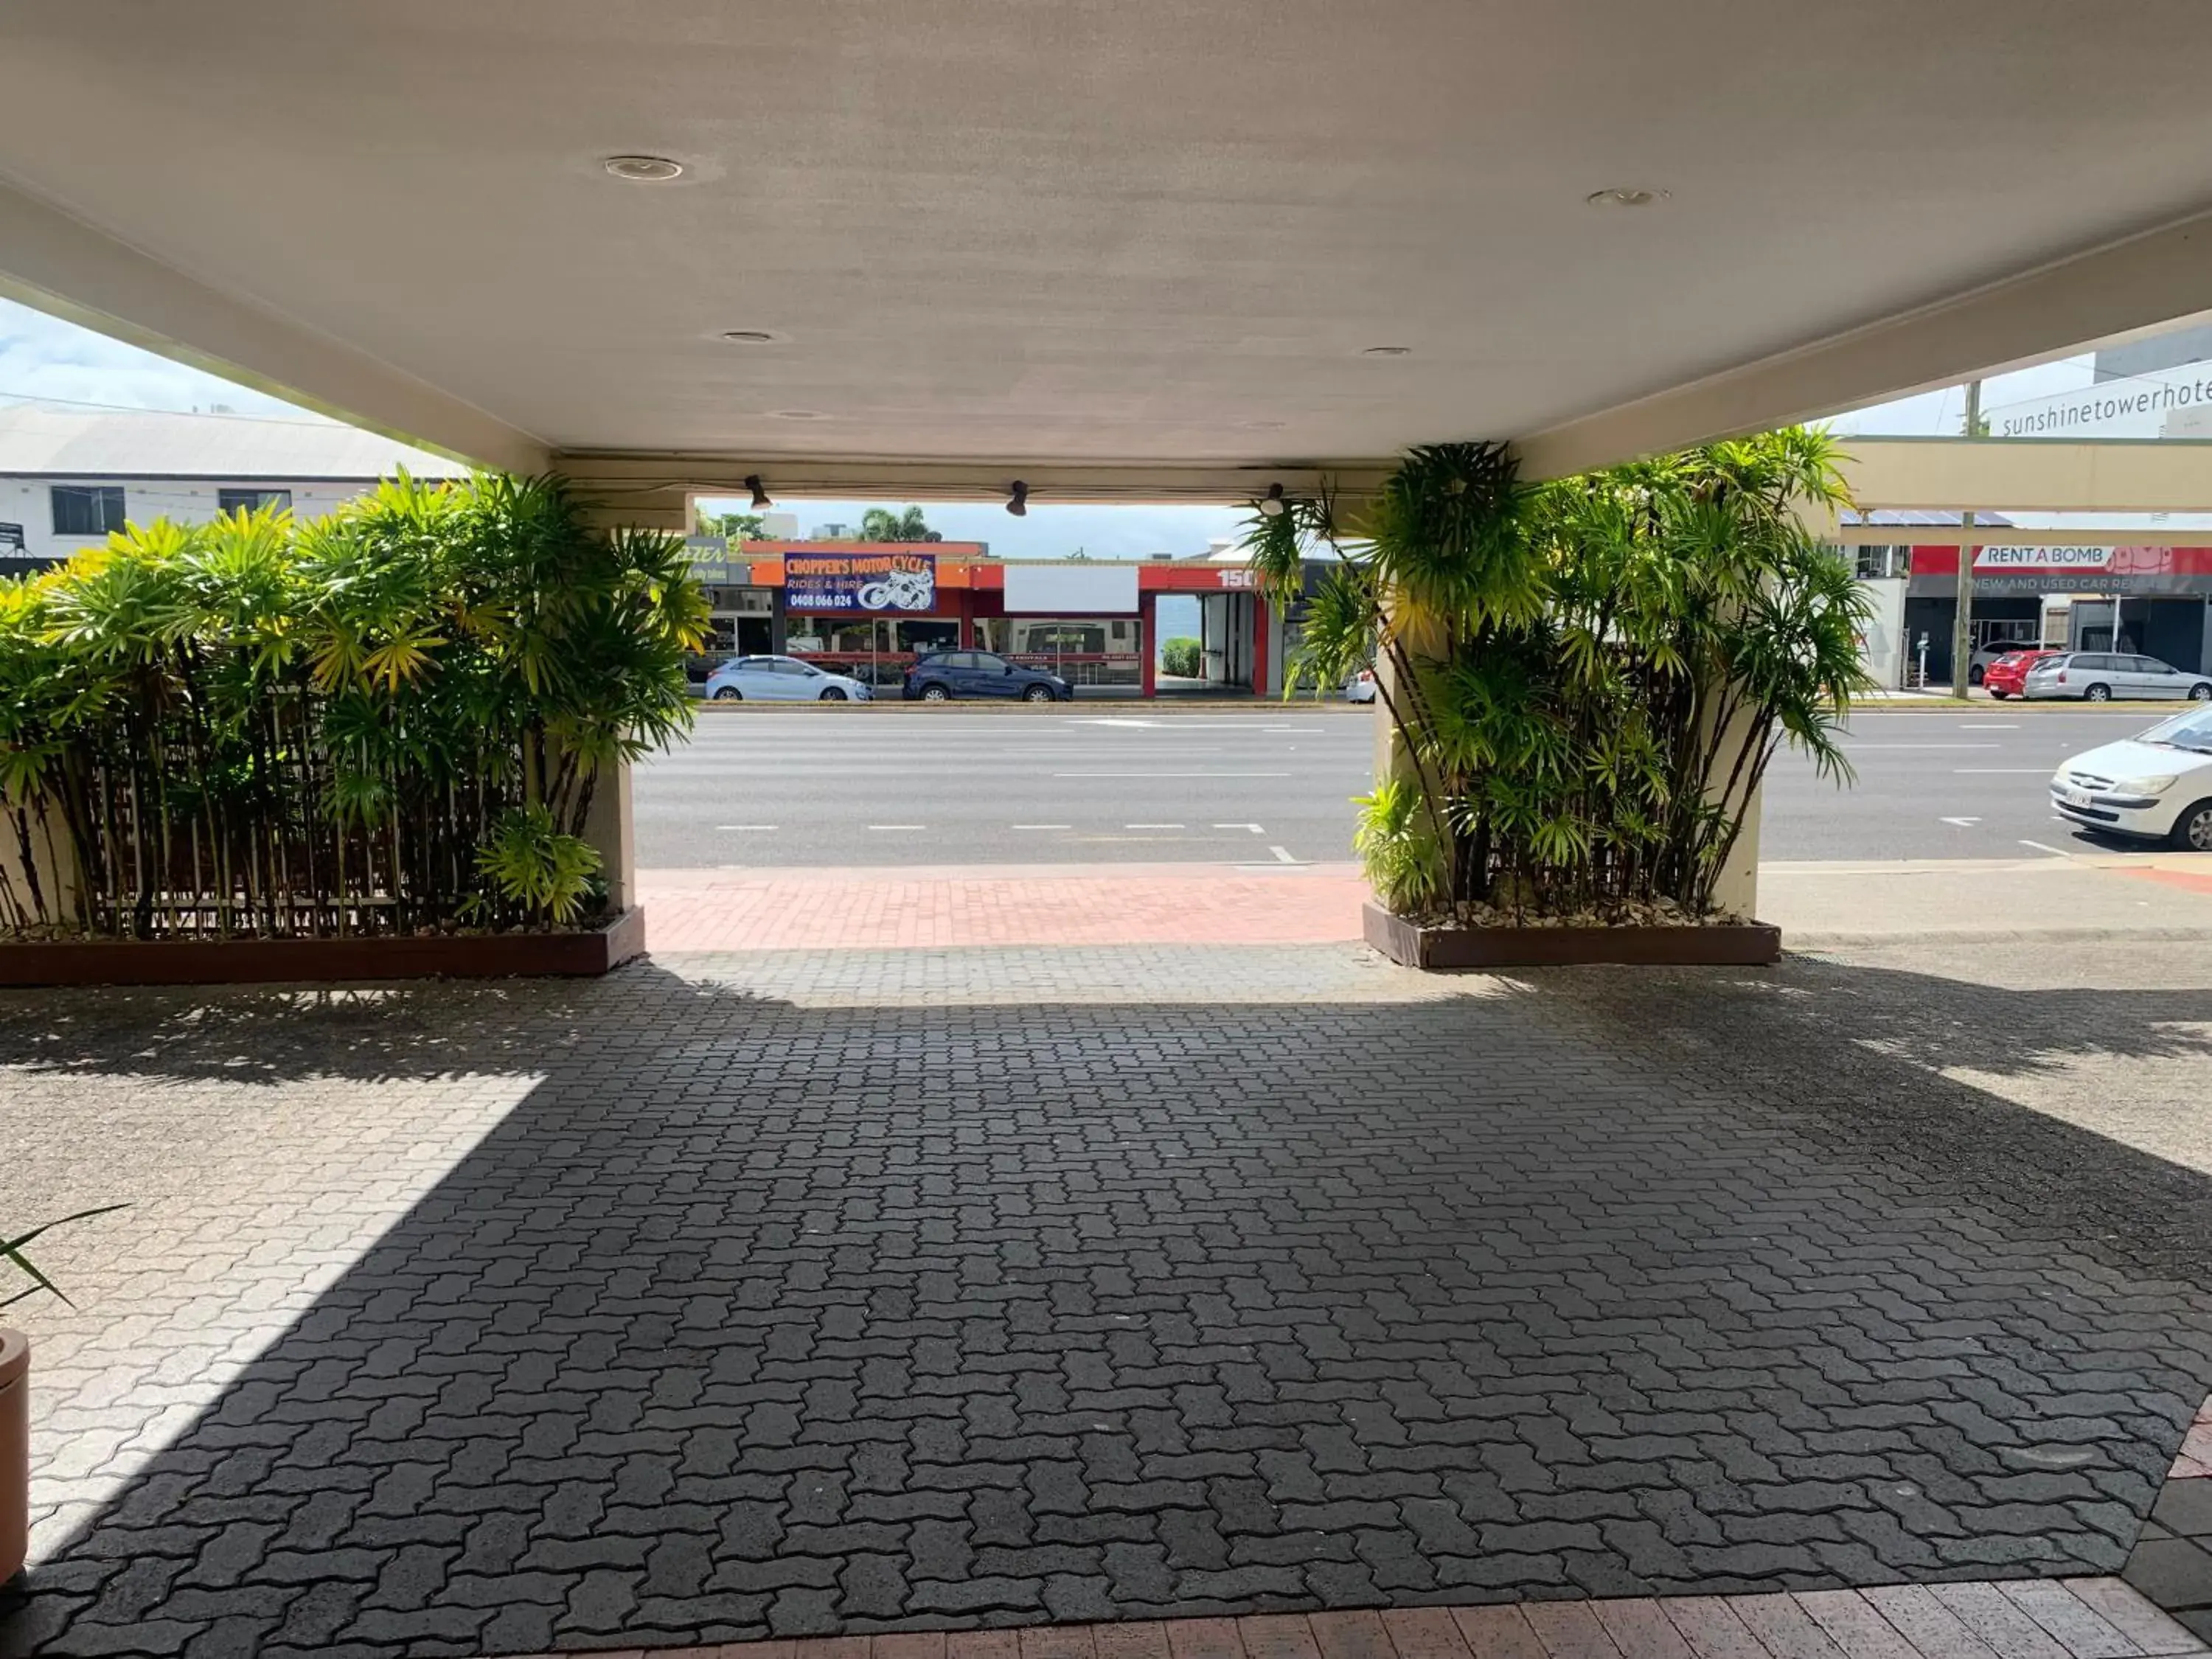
(1736, 945)
(261, 960)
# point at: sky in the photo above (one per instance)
(44, 358)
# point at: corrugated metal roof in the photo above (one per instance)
(51, 439)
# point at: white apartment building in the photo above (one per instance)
(68, 475)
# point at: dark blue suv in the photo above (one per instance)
(945, 675)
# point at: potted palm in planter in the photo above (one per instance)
(16, 1399)
(1585, 682)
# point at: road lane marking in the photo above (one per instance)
(1151, 826)
(1964, 823)
(1254, 828)
(1282, 855)
(898, 826)
(1856, 747)
(2000, 771)
(2057, 852)
(1044, 826)
(1175, 774)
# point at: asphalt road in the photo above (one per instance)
(872, 786)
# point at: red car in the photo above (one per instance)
(2006, 676)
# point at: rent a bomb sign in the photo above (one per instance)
(894, 580)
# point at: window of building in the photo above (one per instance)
(88, 509)
(251, 501)
(1876, 563)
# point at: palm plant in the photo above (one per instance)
(388, 720)
(1587, 680)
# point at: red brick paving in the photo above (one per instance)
(944, 906)
(2068, 1619)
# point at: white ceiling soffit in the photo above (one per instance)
(1105, 231)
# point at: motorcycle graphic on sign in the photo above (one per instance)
(902, 590)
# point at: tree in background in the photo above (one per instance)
(880, 524)
(1181, 657)
(737, 526)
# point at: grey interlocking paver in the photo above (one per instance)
(779, 1297)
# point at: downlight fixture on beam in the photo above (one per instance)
(1273, 503)
(1018, 502)
(761, 498)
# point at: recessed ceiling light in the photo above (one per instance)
(797, 414)
(644, 169)
(1625, 197)
(1388, 351)
(750, 337)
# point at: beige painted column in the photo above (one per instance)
(55, 867)
(611, 826)
(1737, 891)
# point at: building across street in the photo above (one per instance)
(869, 608)
(69, 476)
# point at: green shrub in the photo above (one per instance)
(386, 720)
(1184, 659)
(1589, 678)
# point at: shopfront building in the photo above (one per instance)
(2064, 597)
(869, 608)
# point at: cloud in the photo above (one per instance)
(42, 356)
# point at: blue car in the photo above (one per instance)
(945, 675)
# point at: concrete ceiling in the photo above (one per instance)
(1102, 231)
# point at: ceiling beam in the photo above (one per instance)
(2030, 475)
(59, 265)
(2140, 283)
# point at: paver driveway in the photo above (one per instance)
(735, 1297)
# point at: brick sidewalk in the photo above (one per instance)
(947, 907)
(730, 1298)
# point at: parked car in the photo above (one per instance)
(945, 675)
(1979, 664)
(2006, 676)
(2101, 676)
(2154, 786)
(1360, 688)
(781, 679)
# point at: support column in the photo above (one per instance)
(1736, 889)
(1260, 662)
(1148, 610)
(611, 827)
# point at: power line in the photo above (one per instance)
(183, 414)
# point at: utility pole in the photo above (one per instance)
(1962, 625)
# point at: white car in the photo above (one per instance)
(781, 679)
(1360, 688)
(2155, 787)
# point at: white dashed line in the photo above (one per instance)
(2057, 852)
(1044, 826)
(898, 826)
(1254, 828)
(1282, 855)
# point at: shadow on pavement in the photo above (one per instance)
(756, 1318)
